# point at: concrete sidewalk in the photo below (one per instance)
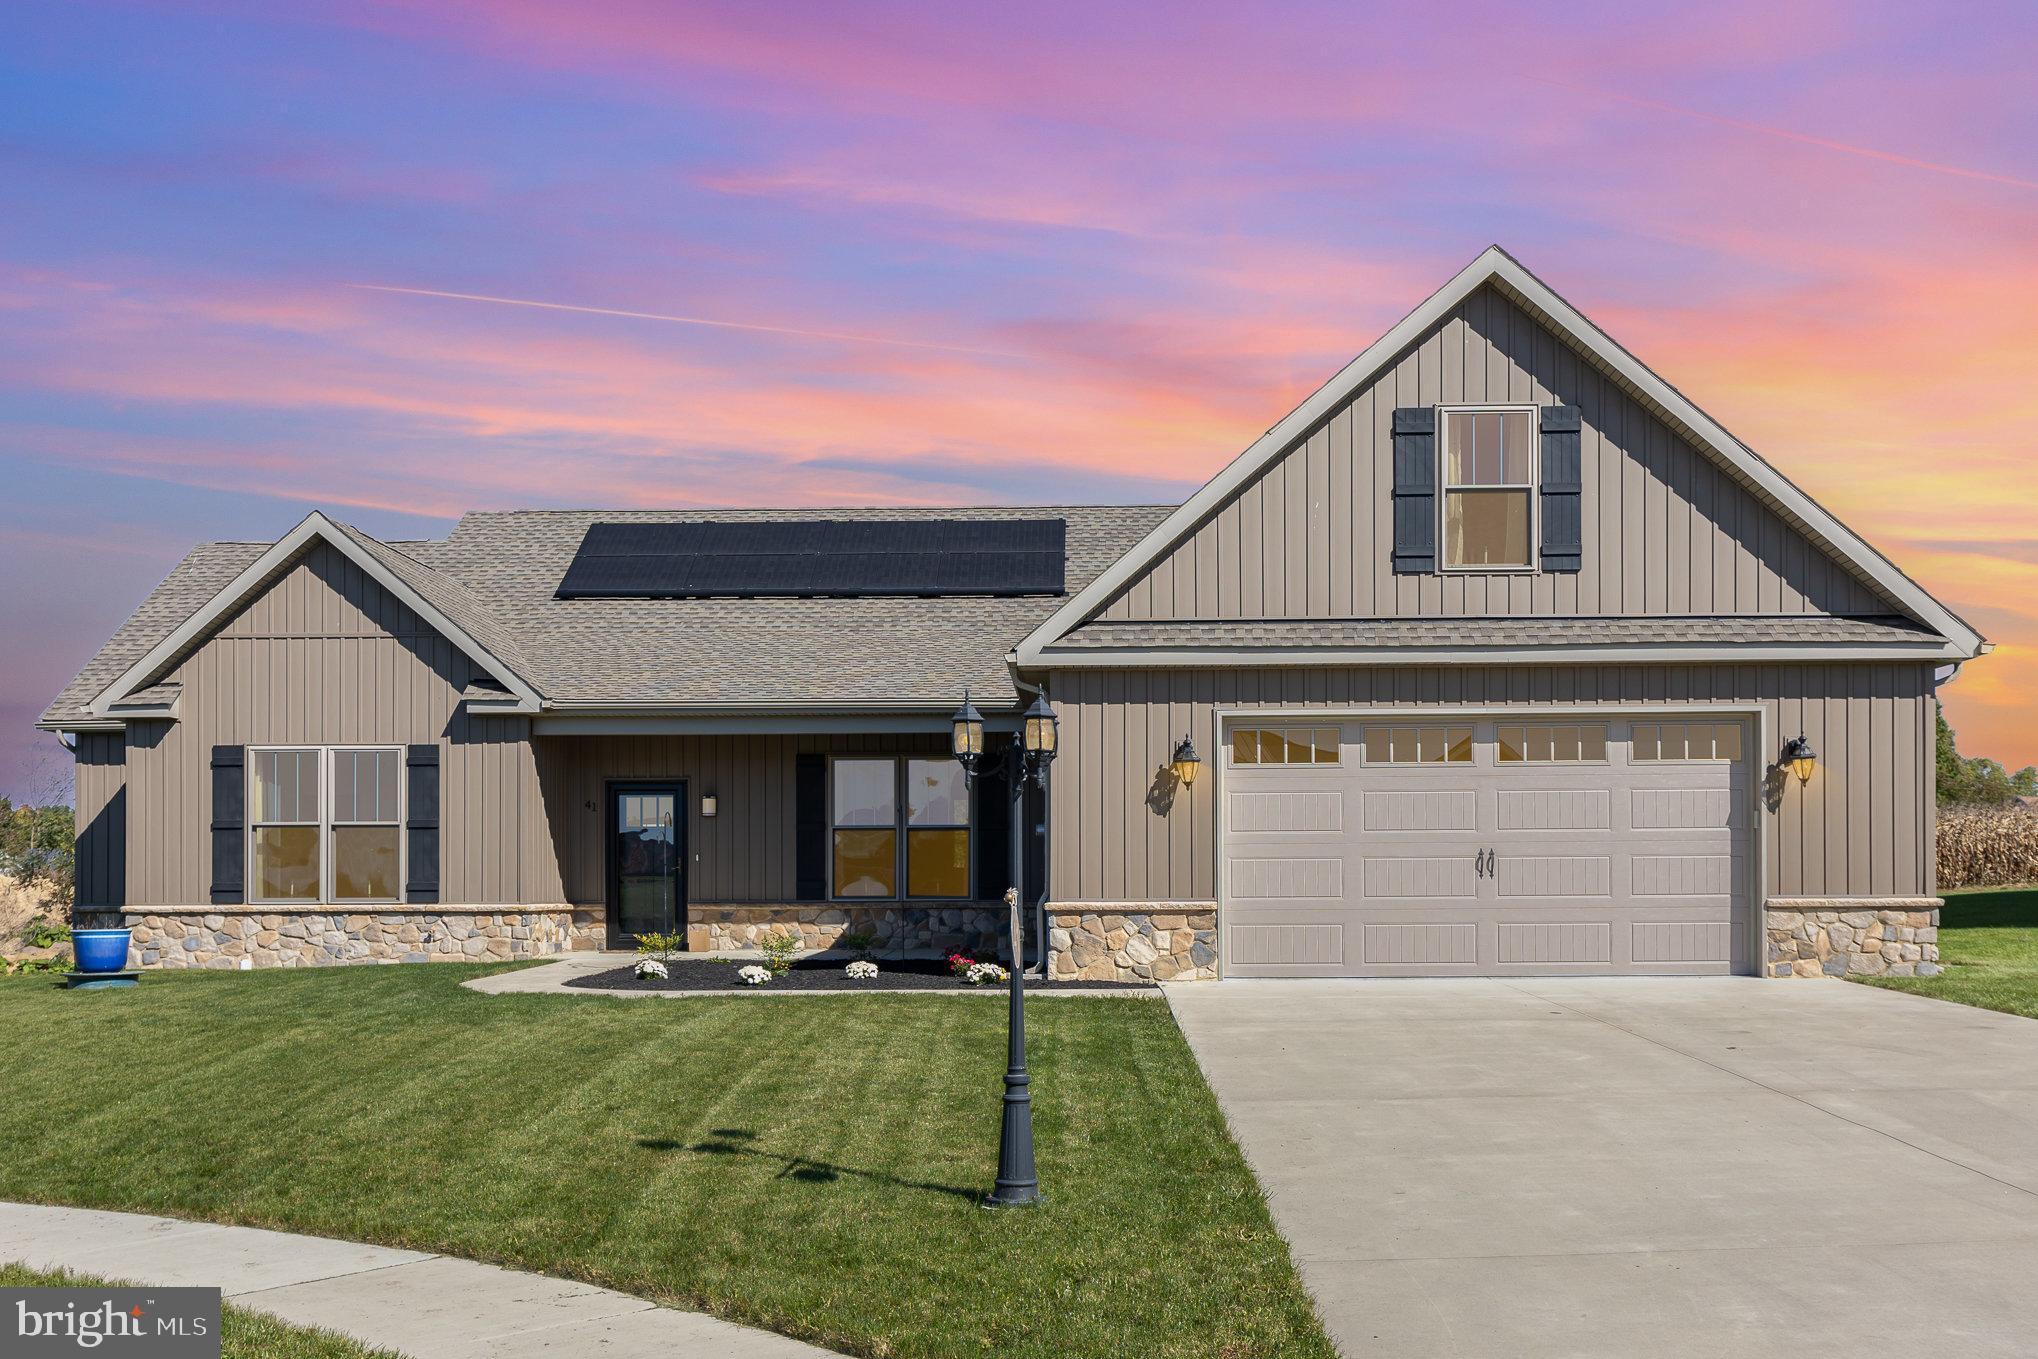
(424, 1306)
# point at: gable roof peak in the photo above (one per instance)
(1496, 266)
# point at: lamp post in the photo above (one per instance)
(1026, 759)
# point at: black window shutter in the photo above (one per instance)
(1563, 489)
(229, 824)
(810, 827)
(993, 831)
(1415, 490)
(421, 824)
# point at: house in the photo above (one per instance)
(1489, 651)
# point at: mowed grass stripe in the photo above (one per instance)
(811, 1164)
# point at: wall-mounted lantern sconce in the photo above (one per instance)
(1187, 763)
(708, 804)
(966, 735)
(1800, 758)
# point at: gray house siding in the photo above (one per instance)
(746, 852)
(1862, 827)
(325, 656)
(1665, 530)
(101, 820)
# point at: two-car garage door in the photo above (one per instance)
(1486, 846)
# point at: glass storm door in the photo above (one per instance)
(647, 858)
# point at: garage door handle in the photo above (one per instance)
(1482, 863)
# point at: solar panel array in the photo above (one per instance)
(841, 558)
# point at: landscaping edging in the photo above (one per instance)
(699, 976)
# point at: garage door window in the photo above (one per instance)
(1284, 745)
(1418, 745)
(1658, 741)
(1576, 743)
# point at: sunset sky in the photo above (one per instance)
(952, 253)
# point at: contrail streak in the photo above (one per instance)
(689, 320)
(1785, 134)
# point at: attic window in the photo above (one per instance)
(1489, 480)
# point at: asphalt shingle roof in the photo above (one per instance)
(496, 574)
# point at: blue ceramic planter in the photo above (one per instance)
(101, 950)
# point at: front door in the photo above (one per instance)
(647, 861)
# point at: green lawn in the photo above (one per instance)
(242, 1334)
(1988, 942)
(812, 1165)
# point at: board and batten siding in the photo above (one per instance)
(1863, 827)
(1666, 531)
(101, 820)
(326, 656)
(744, 853)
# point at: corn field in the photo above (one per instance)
(1987, 846)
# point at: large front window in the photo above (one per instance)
(1489, 488)
(325, 824)
(900, 820)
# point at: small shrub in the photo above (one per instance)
(778, 948)
(860, 943)
(1987, 846)
(660, 946)
(863, 969)
(651, 967)
(753, 975)
(983, 974)
(43, 932)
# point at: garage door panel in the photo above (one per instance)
(1448, 809)
(1450, 866)
(1682, 808)
(1556, 942)
(1446, 944)
(1554, 809)
(1522, 876)
(1287, 879)
(1305, 811)
(1393, 877)
(1681, 875)
(1280, 946)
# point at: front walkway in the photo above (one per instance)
(1638, 1166)
(424, 1306)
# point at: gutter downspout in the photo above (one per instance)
(1046, 820)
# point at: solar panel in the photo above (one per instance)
(819, 557)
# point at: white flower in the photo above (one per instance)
(651, 967)
(754, 975)
(980, 973)
(861, 969)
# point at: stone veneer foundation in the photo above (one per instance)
(271, 936)
(1132, 941)
(896, 931)
(1853, 936)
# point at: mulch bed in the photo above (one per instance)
(897, 974)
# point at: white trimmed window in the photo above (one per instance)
(1488, 470)
(325, 824)
(1418, 745)
(1655, 741)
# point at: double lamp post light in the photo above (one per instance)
(1025, 760)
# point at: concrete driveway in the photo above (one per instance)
(1638, 1167)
